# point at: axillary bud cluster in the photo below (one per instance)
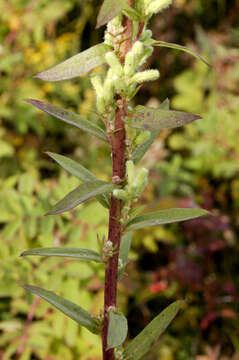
(136, 182)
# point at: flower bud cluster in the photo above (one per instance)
(108, 250)
(114, 31)
(104, 91)
(151, 7)
(125, 78)
(134, 59)
(136, 182)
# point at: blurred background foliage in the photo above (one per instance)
(198, 164)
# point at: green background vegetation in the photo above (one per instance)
(197, 260)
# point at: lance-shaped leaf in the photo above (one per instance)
(181, 48)
(70, 118)
(140, 150)
(164, 217)
(156, 119)
(82, 254)
(125, 245)
(77, 65)
(85, 191)
(143, 342)
(79, 171)
(70, 309)
(117, 331)
(109, 9)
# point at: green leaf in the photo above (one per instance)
(82, 193)
(70, 309)
(77, 65)
(125, 245)
(70, 118)
(117, 331)
(131, 13)
(164, 217)
(109, 9)
(143, 342)
(156, 119)
(79, 171)
(181, 48)
(140, 150)
(82, 254)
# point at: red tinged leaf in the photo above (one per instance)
(108, 10)
(77, 65)
(69, 117)
(157, 119)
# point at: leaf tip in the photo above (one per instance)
(29, 101)
(98, 25)
(49, 153)
(38, 76)
(198, 117)
(33, 102)
(206, 212)
(24, 286)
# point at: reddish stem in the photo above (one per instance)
(140, 29)
(115, 228)
(111, 272)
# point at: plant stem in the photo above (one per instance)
(111, 271)
(115, 228)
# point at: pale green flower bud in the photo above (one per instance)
(141, 138)
(120, 194)
(141, 180)
(115, 25)
(147, 75)
(137, 49)
(130, 171)
(100, 104)
(142, 175)
(157, 5)
(114, 31)
(97, 84)
(147, 34)
(130, 66)
(109, 87)
(147, 53)
(109, 39)
(119, 84)
(114, 63)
